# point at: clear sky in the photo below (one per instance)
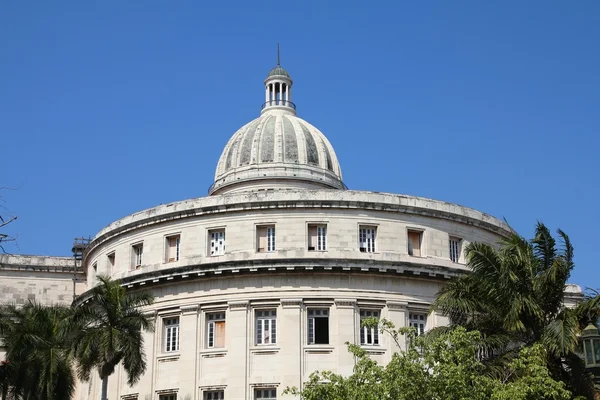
(110, 107)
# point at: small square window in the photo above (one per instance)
(137, 250)
(418, 321)
(317, 237)
(173, 247)
(266, 327)
(215, 330)
(455, 247)
(368, 336)
(366, 238)
(265, 238)
(265, 394)
(318, 326)
(415, 238)
(214, 395)
(216, 244)
(171, 332)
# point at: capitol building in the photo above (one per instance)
(265, 279)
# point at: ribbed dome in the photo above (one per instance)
(278, 146)
(278, 71)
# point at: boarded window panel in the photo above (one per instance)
(312, 237)
(219, 333)
(414, 243)
(261, 233)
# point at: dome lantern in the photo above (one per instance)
(278, 90)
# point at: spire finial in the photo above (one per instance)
(278, 64)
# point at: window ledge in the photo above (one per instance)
(373, 348)
(218, 352)
(264, 349)
(168, 357)
(318, 348)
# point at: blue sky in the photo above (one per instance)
(107, 108)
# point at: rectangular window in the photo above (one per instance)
(217, 242)
(214, 395)
(110, 263)
(215, 330)
(265, 394)
(171, 332)
(265, 238)
(366, 238)
(266, 327)
(414, 243)
(173, 244)
(172, 396)
(318, 326)
(368, 336)
(317, 237)
(137, 252)
(455, 244)
(418, 321)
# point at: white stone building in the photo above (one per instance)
(264, 280)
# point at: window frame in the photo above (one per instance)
(270, 237)
(415, 321)
(313, 313)
(137, 255)
(259, 322)
(265, 393)
(111, 259)
(321, 236)
(410, 250)
(365, 331)
(370, 242)
(208, 394)
(211, 240)
(177, 237)
(167, 345)
(456, 250)
(211, 318)
(167, 396)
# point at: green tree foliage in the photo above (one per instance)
(514, 297)
(446, 367)
(37, 339)
(111, 329)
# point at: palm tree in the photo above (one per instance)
(37, 340)
(112, 326)
(514, 296)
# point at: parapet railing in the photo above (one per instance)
(278, 102)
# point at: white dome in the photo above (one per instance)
(277, 149)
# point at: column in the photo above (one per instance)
(237, 338)
(266, 94)
(188, 345)
(346, 321)
(397, 313)
(290, 342)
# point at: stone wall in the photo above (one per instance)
(42, 279)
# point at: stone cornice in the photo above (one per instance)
(291, 303)
(345, 303)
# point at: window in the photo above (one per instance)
(266, 327)
(317, 237)
(172, 247)
(265, 394)
(318, 326)
(215, 330)
(171, 334)
(172, 396)
(137, 250)
(95, 267)
(414, 243)
(418, 321)
(368, 336)
(265, 238)
(110, 265)
(366, 238)
(217, 242)
(214, 395)
(455, 244)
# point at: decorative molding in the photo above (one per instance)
(239, 305)
(291, 303)
(167, 391)
(150, 313)
(397, 305)
(206, 388)
(271, 385)
(345, 303)
(132, 396)
(189, 308)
